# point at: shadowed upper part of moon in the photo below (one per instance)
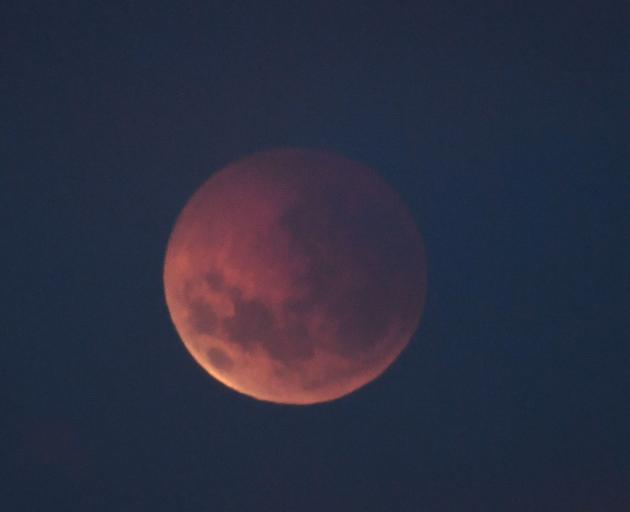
(295, 276)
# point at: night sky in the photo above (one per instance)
(503, 125)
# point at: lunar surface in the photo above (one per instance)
(295, 276)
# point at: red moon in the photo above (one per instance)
(295, 276)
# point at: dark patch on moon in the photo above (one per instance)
(202, 318)
(252, 325)
(219, 359)
(363, 322)
(215, 281)
(252, 322)
(292, 343)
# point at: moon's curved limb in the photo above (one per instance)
(295, 276)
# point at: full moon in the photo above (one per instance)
(295, 276)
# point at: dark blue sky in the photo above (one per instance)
(504, 127)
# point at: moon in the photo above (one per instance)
(295, 276)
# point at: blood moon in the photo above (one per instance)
(295, 276)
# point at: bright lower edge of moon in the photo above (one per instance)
(295, 276)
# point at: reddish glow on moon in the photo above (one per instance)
(295, 276)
